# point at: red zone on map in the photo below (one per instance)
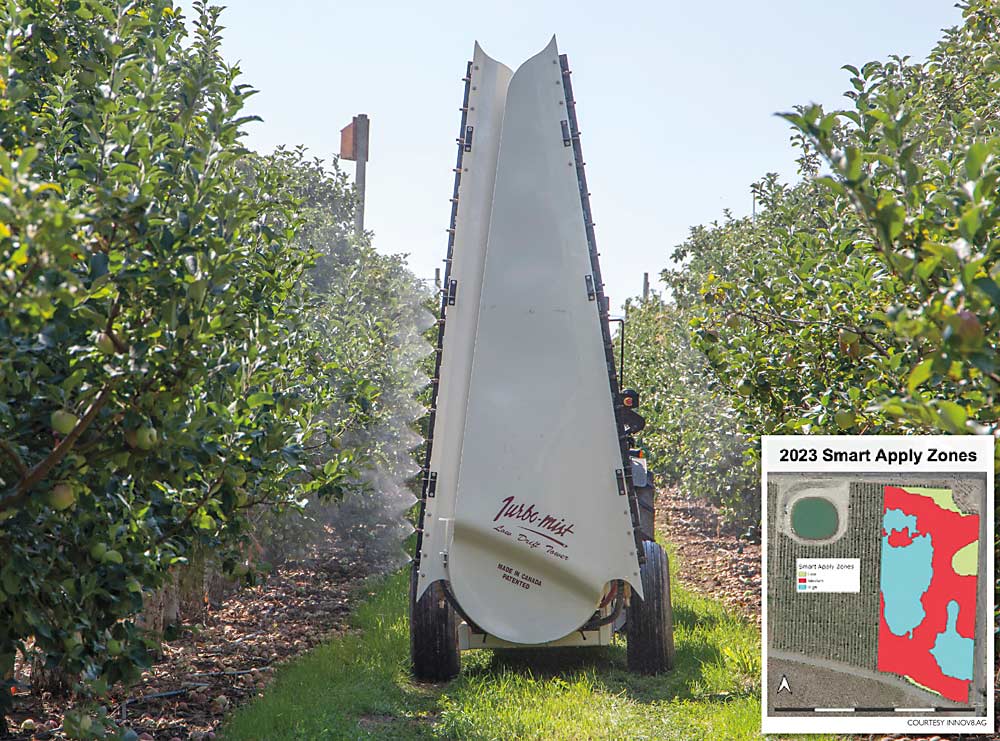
(950, 532)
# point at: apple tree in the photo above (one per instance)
(864, 298)
(161, 372)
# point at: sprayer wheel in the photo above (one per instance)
(433, 634)
(650, 621)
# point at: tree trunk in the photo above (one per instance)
(44, 679)
(171, 599)
(217, 586)
(191, 587)
(151, 617)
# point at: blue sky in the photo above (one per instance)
(675, 100)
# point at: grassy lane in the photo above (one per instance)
(358, 686)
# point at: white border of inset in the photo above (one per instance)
(983, 446)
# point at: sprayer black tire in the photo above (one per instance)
(433, 634)
(650, 623)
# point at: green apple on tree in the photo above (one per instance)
(235, 476)
(845, 419)
(146, 438)
(63, 421)
(112, 556)
(61, 496)
(105, 344)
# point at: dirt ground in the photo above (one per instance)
(213, 667)
(714, 558)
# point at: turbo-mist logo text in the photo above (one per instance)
(511, 509)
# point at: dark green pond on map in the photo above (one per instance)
(814, 518)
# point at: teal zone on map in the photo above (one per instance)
(953, 652)
(906, 574)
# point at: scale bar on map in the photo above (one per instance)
(860, 709)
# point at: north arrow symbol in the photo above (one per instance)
(784, 685)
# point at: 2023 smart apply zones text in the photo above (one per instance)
(879, 455)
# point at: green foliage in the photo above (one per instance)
(865, 298)
(693, 434)
(187, 335)
(364, 305)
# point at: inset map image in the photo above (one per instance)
(874, 602)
